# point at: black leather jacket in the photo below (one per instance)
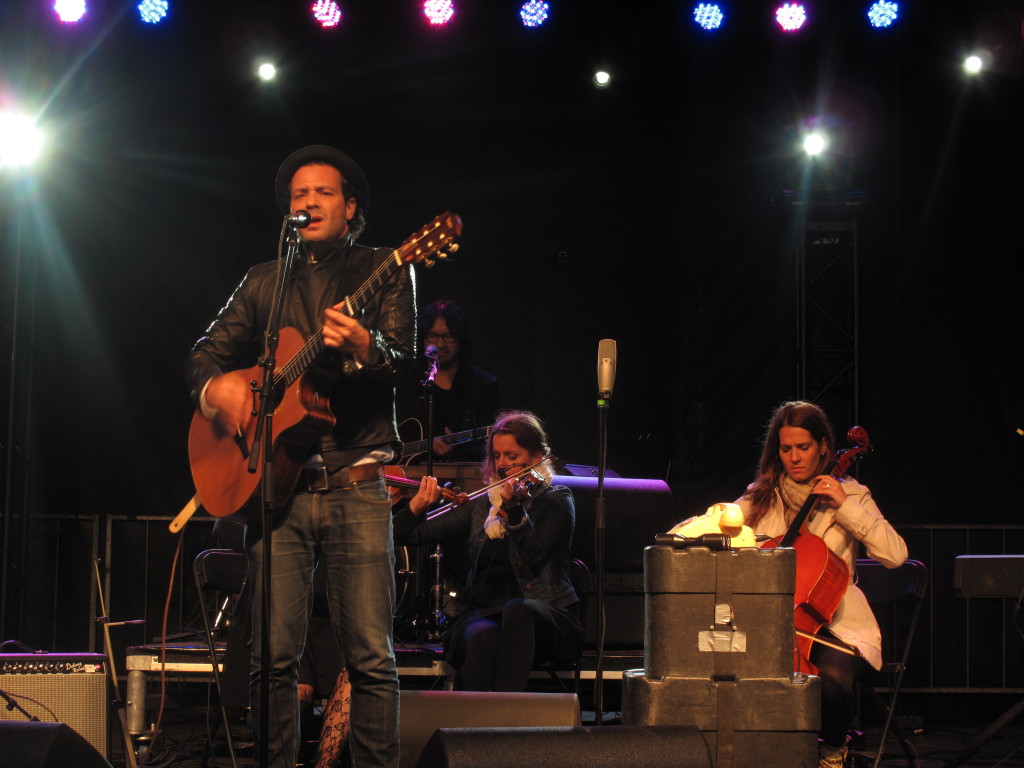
(362, 397)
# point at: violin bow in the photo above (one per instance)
(481, 491)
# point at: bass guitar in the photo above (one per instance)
(301, 408)
(821, 575)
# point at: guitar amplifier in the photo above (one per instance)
(70, 688)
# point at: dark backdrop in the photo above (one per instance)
(642, 213)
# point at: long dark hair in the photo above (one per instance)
(527, 430)
(456, 321)
(771, 471)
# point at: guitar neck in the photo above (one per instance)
(353, 305)
(455, 438)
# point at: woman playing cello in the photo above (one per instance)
(798, 447)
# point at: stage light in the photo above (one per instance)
(266, 71)
(153, 11)
(975, 63)
(602, 79)
(708, 16)
(815, 143)
(883, 13)
(69, 11)
(21, 141)
(327, 13)
(534, 13)
(790, 16)
(438, 12)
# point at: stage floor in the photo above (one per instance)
(185, 743)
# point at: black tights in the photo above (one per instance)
(500, 649)
(838, 672)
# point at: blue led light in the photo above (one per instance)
(883, 13)
(708, 15)
(534, 13)
(153, 11)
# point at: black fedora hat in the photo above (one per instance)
(321, 153)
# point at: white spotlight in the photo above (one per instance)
(21, 141)
(266, 71)
(602, 79)
(815, 143)
(973, 64)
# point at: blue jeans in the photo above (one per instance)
(348, 532)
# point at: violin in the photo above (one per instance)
(400, 485)
(524, 486)
(531, 476)
(821, 575)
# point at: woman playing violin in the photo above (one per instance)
(798, 446)
(521, 607)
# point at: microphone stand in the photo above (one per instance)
(263, 437)
(435, 631)
(599, 551)
(12, 704)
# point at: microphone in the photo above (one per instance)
(606, 354)
(716, 542)
(431, 354)
(299, 219)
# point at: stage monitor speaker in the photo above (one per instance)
(423, 712)
(45, 745)
(606, 746)
(635, 510)
(70, 688)
(988, 575)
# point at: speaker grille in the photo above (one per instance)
(70, 689)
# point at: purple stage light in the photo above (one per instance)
(791, 16)
(438, 11)
(69, 11)
(327, 13)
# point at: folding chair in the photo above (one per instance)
(579, 575)
(218, 571)
(896, 596)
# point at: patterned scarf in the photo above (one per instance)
(496, 522)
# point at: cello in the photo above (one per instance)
(821, 575)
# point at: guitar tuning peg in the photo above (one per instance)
(452, 248)
(429, 263)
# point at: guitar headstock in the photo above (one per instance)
(434, 242)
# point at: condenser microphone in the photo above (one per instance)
(299, 219)
(606, 354)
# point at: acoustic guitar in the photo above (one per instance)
(219, 459)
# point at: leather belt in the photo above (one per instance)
(320, 480)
